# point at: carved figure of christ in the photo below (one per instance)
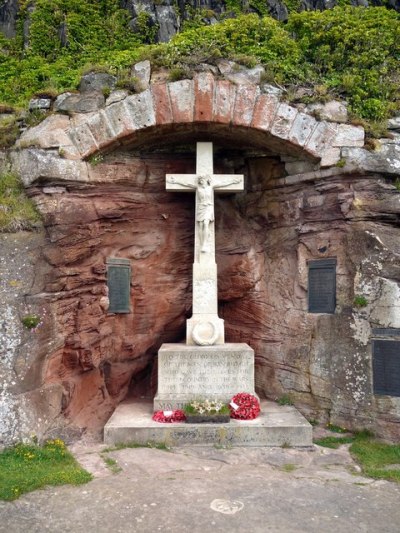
(204, 327)
(204, 182)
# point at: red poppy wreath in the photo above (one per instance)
(244, 406)
(169, 416)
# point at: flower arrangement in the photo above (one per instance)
(244, 406)
(169, 416)
(207, 411)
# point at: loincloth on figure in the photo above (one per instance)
(205, 212)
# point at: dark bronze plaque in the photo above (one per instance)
(119, 282)
(322, 286)
(386, 367)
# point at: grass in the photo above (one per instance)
(285, 399)
(374, 458)
(112, 464)
(377, 459)
(27, 467)
(336, 429)
(17, 211)
(333, 442)
(289, 467)
(123, 445)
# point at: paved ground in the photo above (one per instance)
(200, 490)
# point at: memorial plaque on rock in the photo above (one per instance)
(119, 282)
(322, 286)
(386, 366)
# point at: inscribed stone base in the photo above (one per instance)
(187, 372)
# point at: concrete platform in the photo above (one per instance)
(276, 426)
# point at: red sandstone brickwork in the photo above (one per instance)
(205, 99)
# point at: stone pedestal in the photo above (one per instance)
(277, 425)
(188, 372)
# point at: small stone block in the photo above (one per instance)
(264, 111)
(224, 101)
(246, 96)
(140, 108)
(321, 138)
(182, 99)
(283, 121)
(203, 96)
(142, 71)
(161, 103)
(302, 128)
(348, 135)
(39, 103)
(101, 129)
(83, 139)
(330, 157)
(120, 119)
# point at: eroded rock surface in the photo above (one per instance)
(264, 238)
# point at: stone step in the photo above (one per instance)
(277, 425)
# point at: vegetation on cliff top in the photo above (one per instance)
(347, 52)
(17, 211)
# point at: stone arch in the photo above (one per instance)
(204, 100)
(60, 146)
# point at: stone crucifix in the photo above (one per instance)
(204, 327)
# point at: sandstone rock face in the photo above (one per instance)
(28, 405)
(104, 197)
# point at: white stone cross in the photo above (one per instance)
(205, 327)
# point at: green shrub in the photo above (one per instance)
(360, 301)
(88, 26)
(356, 52)
(265, 39)
(30, 321)
(350, 52)
(9, 130)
